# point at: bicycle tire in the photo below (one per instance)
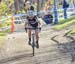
(33, 45)
(33, 51)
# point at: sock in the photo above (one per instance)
(37, 41)
(29, 39)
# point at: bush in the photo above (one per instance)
(3, 8)
(2, 33)
(64, 23)
(66, 20)
(72, 32)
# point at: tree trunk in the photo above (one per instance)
(74, 3)
(0, 0)
(16, 5)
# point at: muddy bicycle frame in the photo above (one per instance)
(33, 37)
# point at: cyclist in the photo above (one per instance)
(33, 22)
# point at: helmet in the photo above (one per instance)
(30, 13)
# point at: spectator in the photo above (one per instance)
(48, 18)
(28, 6)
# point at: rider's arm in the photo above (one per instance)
(26, 23)
(38, 21)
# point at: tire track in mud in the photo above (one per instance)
(69, 46)
(28, 54)
(47, 53)
(72, 45)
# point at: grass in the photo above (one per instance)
(2, 33)
(2, 38)
(72, 32)
(64, 23)
(6, 23)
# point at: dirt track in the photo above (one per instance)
(55, 48)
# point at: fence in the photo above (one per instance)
(70, 12)
(20, 18)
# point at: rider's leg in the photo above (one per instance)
(29, 35)
(37, 38)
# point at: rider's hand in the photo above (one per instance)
(40, 28)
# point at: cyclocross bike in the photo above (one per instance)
(33, 43)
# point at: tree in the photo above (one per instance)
(0, 0)
(19, 5)
(16, 5)
(6, 7)
(74, 3)
(3, 7)
(55, 13)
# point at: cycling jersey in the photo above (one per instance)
(32, 22)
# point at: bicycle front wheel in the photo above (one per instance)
(33, 50)
(33, 45)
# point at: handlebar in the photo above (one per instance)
(33, 28)
(39, 28)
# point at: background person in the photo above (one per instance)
(29, 6)
(48, 17)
